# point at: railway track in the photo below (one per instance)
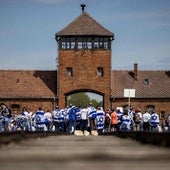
(13, 137)
(49, 150)
(154, 138)
(159, 139)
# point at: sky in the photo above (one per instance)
(28, 27)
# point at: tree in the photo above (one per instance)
(79, 99)
(94, 103)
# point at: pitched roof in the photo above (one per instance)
(43, 84)
(84, 25)
(158, 87)
(27, 84)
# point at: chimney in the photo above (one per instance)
(135, 72)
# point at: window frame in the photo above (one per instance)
(69, 72)
(100, 72)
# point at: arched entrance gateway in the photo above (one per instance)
(83, 97)
(84, 59)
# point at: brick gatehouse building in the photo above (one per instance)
(84, 65)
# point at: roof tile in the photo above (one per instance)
(27, 84)
(158, 87)
(84, 25)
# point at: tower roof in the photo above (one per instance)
(84, 25)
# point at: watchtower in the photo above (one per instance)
(84, 58)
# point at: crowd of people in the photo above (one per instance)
(85, 120)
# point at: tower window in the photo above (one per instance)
(100, 72)
(73, 45)
(96, 42)
(63, 45)
(69, 72)
(84, 42)
(89, 45)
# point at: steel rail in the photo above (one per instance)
(154, 138)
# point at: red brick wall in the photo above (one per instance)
(160, 104)
(29, 103)
(84, 65)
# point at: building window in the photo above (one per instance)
(162, 115)
(89, 45)
(146, 81)
(84, 42)
(69, 72)
(73, 45)
(100, 72)
(15, 106)
(63, 46)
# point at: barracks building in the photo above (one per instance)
(84, 65)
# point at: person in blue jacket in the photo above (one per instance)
(71, 118)
(154, 121)
(39, 120)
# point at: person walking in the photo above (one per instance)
(39, 120)
(5, 117)
(146, 119)
(92, 117)
(119, 116)
(127, 123)
(56, 118)
(48, 120)
(84, 119)
(30, 118)
(71, 118)
(114, 121)
(154, 121)
(168, 120)
(107, 122)
(137, 120)
(100, 119)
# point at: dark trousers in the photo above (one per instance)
(57, 126)
(48, 125)
(146, 126)
(83, 125)
(92, 123)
